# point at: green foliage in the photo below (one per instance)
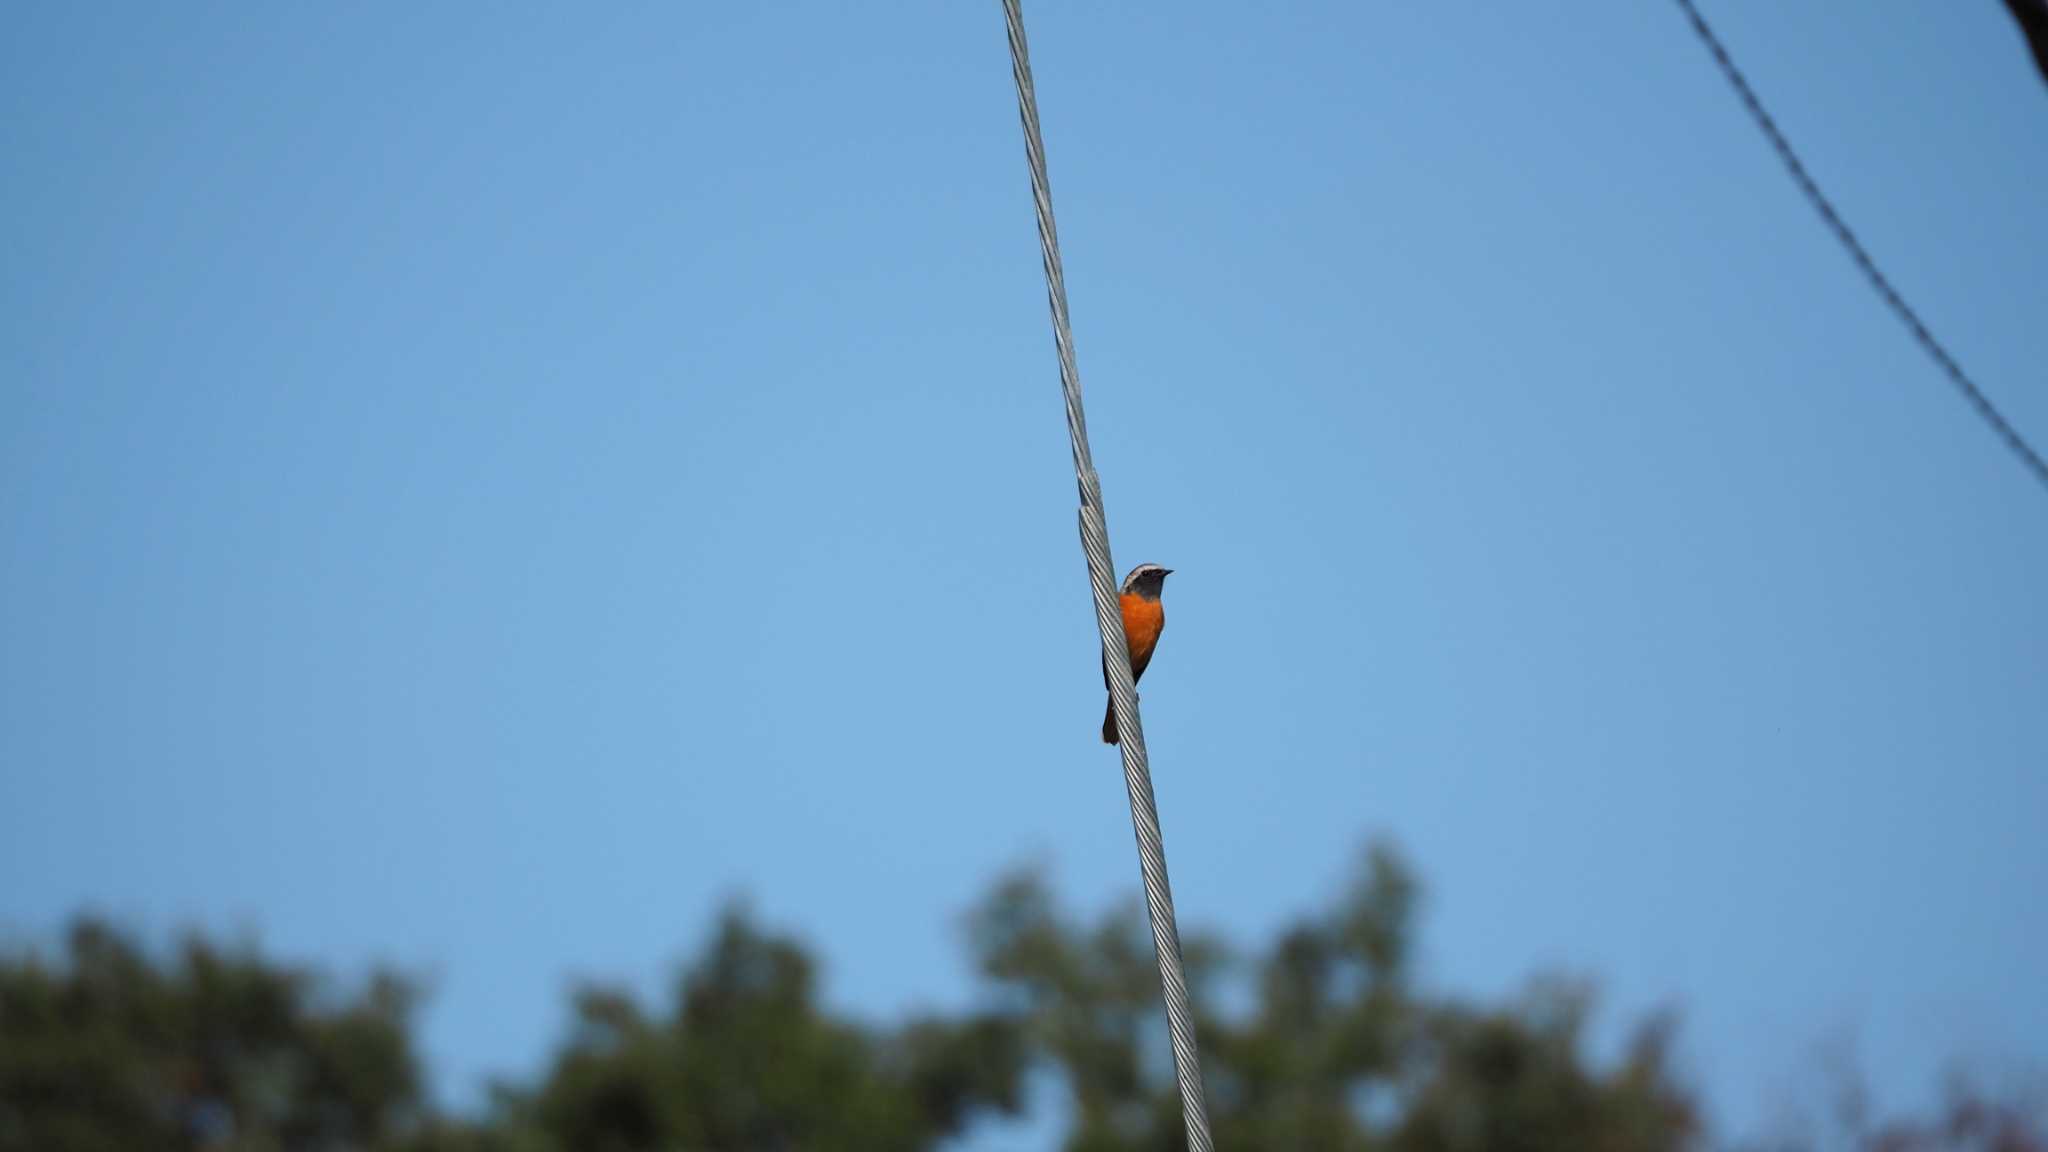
(749, 1060)
(1335, 1027)
(114, 1051)
(1515, 1081)
(1320, 1041)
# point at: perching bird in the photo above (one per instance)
(1144, 619)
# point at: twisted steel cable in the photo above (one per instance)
(1187, 1065)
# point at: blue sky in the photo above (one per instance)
(478, 488)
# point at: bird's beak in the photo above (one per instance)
(1167, 572)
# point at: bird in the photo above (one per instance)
(1144, 619)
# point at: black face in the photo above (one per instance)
(1147, 580)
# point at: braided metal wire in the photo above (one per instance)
(1922, 335)
(1187, 1064)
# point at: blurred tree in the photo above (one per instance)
(1336, 1050)
(1969, 1119)
(1320, 1041)
(748, 1060)
(112, 1051)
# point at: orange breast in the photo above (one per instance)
(1143, 621)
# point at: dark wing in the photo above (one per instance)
(1138, 667)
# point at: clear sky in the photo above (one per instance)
(479, 486)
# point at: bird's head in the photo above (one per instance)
(1147, 581)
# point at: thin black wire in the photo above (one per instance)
(1975, 395)
(2032, 16)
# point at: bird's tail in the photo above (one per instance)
(1109, 723)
